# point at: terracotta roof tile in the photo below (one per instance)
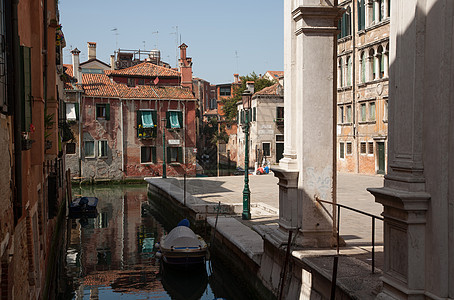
(271, 90)
(276, 74)
(153, 92)
(98, 85)
(145, 69)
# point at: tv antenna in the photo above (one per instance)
(156, 44)
(236, 58)
(176, 44)
(115, 30)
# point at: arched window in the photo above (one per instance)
(361, 15)
(349, 71)
(363, 66)
(381, 59)
(340, 77)
(372, 67)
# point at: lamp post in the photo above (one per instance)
(246, 99)
(164, 169)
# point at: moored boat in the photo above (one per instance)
(182, 247)
(83, 206)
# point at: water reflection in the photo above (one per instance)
(111, 255)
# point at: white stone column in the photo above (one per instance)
(370, 66)
(377, 65)
(386, 9)
(417, 193)
(289, 161)
(369, 7)
(386, 63)
(377, 11)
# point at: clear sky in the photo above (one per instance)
(223, 37)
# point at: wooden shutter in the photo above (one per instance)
(180, 154)
(168, 119)
(153, 155)
(107, 111)
(168, 154)
(76, 106)
(180, 118)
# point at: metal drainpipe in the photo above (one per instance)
(17, 113)
(122, 137)
(79, 100)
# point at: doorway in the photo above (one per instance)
(381, 157)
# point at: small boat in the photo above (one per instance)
(182, 247)
(83, 206)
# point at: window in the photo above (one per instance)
(213, 104)
(349, 113)
(266, 149)
(341, 77)
(102, 148)
(71, 148)
(224, 91)
(372, 111)
(363, 147)
(174, 155)
(363, 112)
(381, 61)
(254, 114)
(103, 111)
(363, 67)
(385, 111)
(370, 147)
(349, 148)
(344, 25)
(280, 113)
(341, 150)
(72, 111)
(146, 123)
(89, 148)
(349, 71)
(147, 154)
(361, 15)
(279, 137)
(140, 81)
(131, 82)
(174, 119)
(341, 114)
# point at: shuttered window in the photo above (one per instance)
(146, 124)
(147, 154)
(174, 119)
(103, 111)
(174, 154)
(341, 150)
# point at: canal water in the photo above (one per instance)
(112, 256)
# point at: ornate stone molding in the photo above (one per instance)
(317, 19)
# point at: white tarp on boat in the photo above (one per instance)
(181, 236)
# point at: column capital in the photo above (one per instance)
(317, 19)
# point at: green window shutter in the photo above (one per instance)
(153, 155)
(363, 67)
(180, 155)
(168, 155)
(154, 116)
(76, 106)
(254, 114)
(180, 118)
(107, 111)
(339, 28)
(363, 15)
(168, 119)
(359, 14)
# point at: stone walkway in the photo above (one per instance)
(351, 191)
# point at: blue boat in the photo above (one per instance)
(83, 206)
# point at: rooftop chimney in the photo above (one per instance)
(185, 67)
(236, 78)
(76, 65)
(91, 50)
(112, 62)
(250, 86)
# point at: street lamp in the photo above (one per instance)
(164, 169)
(246, 99)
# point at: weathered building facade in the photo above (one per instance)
(122, 117)
(362, 86)
(266, 127)
(32, 180)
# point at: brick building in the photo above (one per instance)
(362, 86)
(120, 117)
(32, 182)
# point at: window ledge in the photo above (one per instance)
(344, 39)
(377, 24)
(367, 122)
(385, 121)
(344, 88)
(175, 164)
(147, 163)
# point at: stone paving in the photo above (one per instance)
(351, 191)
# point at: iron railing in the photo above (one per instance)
(374, 217)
